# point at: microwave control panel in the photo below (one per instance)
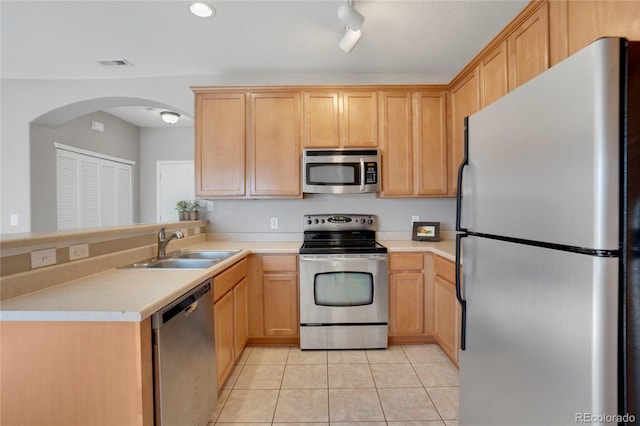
(371, 173)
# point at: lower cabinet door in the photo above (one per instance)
(280, 292)
(406, 312)
(446, 317)
(241, 315)
(223, 320)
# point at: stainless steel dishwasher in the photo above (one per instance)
(184, 359)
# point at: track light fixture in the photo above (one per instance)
(349, 40)
(353, 20)
(350, 16)
(169, 117)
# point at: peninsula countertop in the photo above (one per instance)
(135, 294)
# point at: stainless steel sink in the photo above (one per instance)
(172, 263)
(184, 259)
(216, 255)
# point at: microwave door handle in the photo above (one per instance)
(362, 175)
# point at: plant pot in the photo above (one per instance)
(183, 215)
(193, 215)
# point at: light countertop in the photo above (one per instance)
(135, 294)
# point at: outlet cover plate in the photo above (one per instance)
(45, 257)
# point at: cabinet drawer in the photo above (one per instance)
(280, 263)
(406, 262)
(224, 281)
(446, 269)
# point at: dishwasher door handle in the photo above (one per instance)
(191, 308)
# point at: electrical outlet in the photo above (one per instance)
(78, 251)
(13, 220)
(274, 223)
(196, 230)
(209, 206)
(415, 218)
(40, 258)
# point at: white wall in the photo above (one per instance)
(160, 144)
(119, 139)
(23, 101)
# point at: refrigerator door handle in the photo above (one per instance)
(465, 162)
(461, 300)
(463, 233)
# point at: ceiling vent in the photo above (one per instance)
(114, 62)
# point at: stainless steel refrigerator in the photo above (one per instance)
(549, 221)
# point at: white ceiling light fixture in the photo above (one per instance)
(349, 40)
(350, 16)
(202, 10)
(353, 20)
(170, 117)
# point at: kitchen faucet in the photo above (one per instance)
(163, 242)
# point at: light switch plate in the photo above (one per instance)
(415, 218)
(45, 257)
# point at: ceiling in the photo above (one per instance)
(66, 39)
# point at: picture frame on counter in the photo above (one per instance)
(426, 231)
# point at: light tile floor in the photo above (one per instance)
(402, 385)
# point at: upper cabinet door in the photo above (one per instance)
(494, 76)
(220, 144)
(529, 48)
(590, 20)
(321, 119)
(465, 100)
(396, 144)
(430, 142)
(359, 119)
(274, 144)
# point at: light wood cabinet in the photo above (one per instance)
(321, 121)
(241, 315)
(340, 119)
(230, 312)
(447, 309)
(248, 144)
(220, 144)
(465, 100)
(224, 333)
(528, 48)
(76, 373)
(430, 142)
(589, 20)
(274, 144)
(273, 299)
(413, 139)
(396, 144)
(359, 119)
(494, 75)
(410, 298)
(406, 293)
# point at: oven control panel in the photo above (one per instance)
(339, 222)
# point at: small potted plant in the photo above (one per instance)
(184, 209)
(193, 210)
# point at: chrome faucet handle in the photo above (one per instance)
(161, 235)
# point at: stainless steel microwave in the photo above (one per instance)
(340, 171)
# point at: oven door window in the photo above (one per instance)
(333, 174)
(343, 289)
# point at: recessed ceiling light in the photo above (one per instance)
(202, 10)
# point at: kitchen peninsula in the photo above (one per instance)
(93, 333)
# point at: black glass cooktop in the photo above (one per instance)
(340, 242)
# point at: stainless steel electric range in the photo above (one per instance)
(344, 296)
